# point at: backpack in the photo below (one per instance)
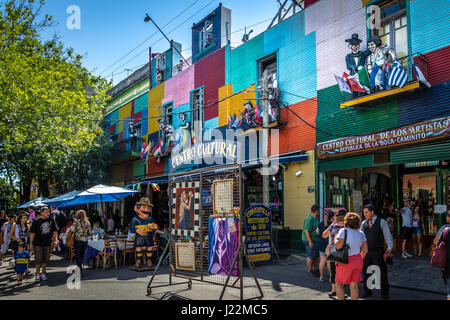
(439, 257)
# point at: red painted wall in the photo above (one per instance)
(154, 168)
(297, 135)
(438, 65)
(210, 72)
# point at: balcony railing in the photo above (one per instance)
(128, 148)
(413, 83)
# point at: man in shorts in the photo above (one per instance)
(311, 241)
(43, 235)
(406, 233)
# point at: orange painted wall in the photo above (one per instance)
(297, 135)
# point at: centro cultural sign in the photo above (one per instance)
(216, 150)
(412, 134)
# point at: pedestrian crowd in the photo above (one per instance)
(35, 232)
(353, 249)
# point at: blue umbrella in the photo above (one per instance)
(61, 200)
(100, 193)
(38, 202)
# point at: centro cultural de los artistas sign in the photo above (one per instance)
(412, 134)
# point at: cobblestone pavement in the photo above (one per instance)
(279, 281)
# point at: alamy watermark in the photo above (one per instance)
(73, 22)
(74, 280)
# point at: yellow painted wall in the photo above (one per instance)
(124, 112)
(233, 105)
(155, 97)
(297, 200)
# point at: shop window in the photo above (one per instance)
(197, 103)
(394, 29)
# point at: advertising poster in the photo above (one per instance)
(259, 233)
(223, 245)
(185, 209)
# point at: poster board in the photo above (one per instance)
(259, 233)
(223, 196)
(185, 256)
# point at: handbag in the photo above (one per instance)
(339, 255)
(439, 257)
(70, 239)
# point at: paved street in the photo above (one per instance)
(287, 281)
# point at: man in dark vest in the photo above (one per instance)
(377, 233)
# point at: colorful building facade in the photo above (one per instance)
(300, 57)
(384, 148)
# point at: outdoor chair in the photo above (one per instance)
(71, 255)
(109, 251)
(127, 249)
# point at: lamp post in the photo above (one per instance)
(147, 19)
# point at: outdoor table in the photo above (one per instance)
(96, 246)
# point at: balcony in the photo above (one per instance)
(126, 150)
(412, 84)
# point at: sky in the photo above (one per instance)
(113, 36)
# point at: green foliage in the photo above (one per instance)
(47, 118)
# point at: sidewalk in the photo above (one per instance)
(412, 273)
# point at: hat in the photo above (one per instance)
(354, 39)
(145, 202)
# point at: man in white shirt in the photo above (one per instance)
(406, 233)
(110, 225)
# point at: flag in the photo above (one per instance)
(355, 86)
(398, 76)
(155, 187)
(171, 143)
(420, 76)
(377, 76)
(343, 85)
(155, 149)
(230, 121)
(144, 151)
(363, 77)
(235, 123)
(149, 147)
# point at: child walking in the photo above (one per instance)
(22, 257)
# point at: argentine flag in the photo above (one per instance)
(398, 76)
(420, 75)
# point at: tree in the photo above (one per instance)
(47, 116)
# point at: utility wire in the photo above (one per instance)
(162, 37)
(117, 61)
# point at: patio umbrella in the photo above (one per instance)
(100, 193)
(38, 202)
(60, 201)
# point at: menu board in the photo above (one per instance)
(223, 196)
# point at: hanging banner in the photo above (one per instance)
(417, 133)
(259, 233)
(223, 237)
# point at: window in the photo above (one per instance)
(160, 67)
(394, 29)
(197, 99)
(167, 113)
(206, 35)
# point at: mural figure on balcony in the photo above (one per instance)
(379, 63)
(355, 60)
(183, 134)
